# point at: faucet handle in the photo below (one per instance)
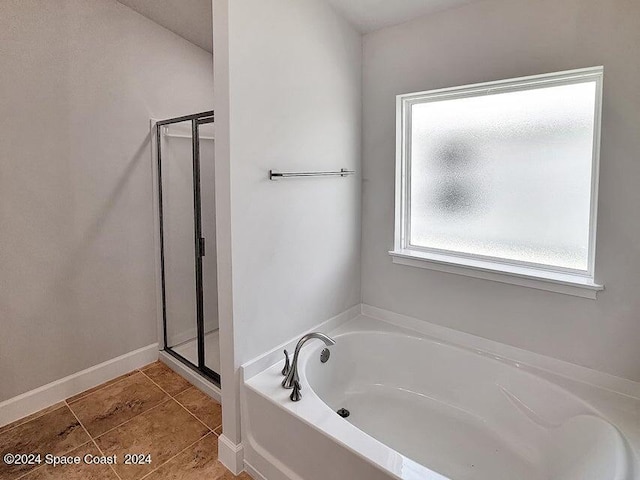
(296, 395)
(287, 364)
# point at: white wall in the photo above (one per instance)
(491, 40)
(79, 80)
(294, 70)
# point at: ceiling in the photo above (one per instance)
(369, 15)
(191, 19)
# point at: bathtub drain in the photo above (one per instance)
(343, 412)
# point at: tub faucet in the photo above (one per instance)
(291, 379)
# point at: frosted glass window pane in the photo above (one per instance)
(505, 175)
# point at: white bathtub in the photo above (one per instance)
(423, 409)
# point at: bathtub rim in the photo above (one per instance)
(542, 365)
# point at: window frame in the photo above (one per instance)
(470, 264)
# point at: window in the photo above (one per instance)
(501, 178)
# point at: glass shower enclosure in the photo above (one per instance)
(186, 208)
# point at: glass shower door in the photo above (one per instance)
(181, 328)
(208, 230)
(189, 286)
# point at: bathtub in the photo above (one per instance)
(423, 409)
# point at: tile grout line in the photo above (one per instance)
(176, 400)
(177, 454)
(92, 439)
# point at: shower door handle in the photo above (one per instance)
(201, 247)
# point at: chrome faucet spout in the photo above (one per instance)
(328, 341)
(292, 375)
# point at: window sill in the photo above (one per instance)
(567, 284)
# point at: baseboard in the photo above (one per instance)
(275, 355)
(231, 455)
(253, 472)
(54, 392)
(542, 362)
(192, 377)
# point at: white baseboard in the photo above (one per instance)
(231, 455)
(192, 377)
(508, 352)
(54, 392)
(253, 473)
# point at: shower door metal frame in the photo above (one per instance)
(196, 120)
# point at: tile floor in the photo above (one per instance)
(148, 411)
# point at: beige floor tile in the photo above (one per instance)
(196, 462)
(161, 432)
(82, 471)
(129, 414)
(113, 405)
(199, 461)
(55, 432)
(31, 417)
(202, 406)
(167, 379)
(77, 397)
